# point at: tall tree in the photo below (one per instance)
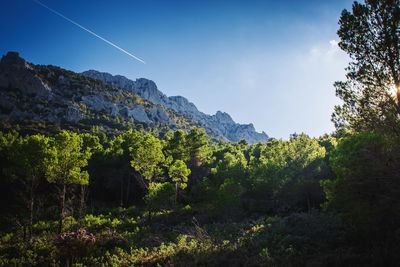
(176, 146)
(370, 34)
(29, 161)
(179, 172)
(147, 157)
(119, 154)
(198, 145)
(366, 190)
(288, 173)
(7, 188)
(90, 143)
(66, 168)
(159, 196)
(233, 165)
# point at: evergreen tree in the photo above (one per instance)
(147, 156)
(66, 167)
(29, 160)
(178, 172)
(176, 146)
(370, 34)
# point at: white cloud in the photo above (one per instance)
(334, 43)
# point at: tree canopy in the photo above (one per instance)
(370, 34)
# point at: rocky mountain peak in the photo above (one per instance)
(13, 59)
(30, 92)
(15, 72)
(146, 84)
(221, 124)
(35, 94)
(223, 117)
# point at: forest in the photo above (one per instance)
(179, 198)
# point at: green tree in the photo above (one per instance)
(370, 34)
(29, 160)
(90, 143)
(7, 140)
(228, 198)
(159, 196)
(232, 165)
(119, 156)
(366, 190)
(7, 187)
(179, 172)
(288, 173)
(198, 145)
(176, 146)
(147, 156)
(225, 184)
(66, 168)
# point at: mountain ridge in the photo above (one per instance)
(222, 122)
(46, 94)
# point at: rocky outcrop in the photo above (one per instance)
(39, 94)
(33, 93)
(16, 73)
(221, 124)
(138, 113)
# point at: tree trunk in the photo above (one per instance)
(397, 85)
(121, 199)
(140, 181)
(176, 193)
(24, 232)
(62, 207)
(31, 205)
(82, 202)
(128, 188)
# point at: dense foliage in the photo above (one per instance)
(371, 94)
(136, 199)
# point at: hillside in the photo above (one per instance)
(221, 124)
(48, 97)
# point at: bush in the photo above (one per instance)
(74, 245)
(160, 196)
(98, 222)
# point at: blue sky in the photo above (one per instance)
(271, 63)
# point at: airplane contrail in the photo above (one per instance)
(89, 31)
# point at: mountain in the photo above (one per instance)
(38, 97)
(221, 123)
